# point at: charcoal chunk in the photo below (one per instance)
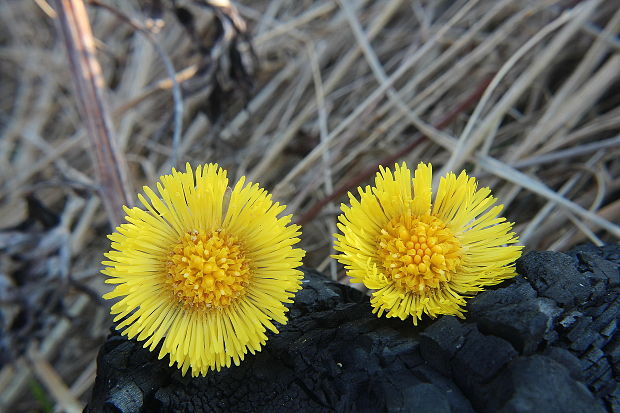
(516, 314)
(423, 397)
(614, 399)
(555, 276)
(333, 355)
(596, 263)
(440, 342)
(545, 341)
(457, 400)
(540, 384)
(125, 398)
(567, 359)
(463, 353)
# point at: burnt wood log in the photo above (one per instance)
(546, 341)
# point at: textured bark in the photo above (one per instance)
(544, 342)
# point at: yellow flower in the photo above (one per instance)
(204, 268)
(419, 256)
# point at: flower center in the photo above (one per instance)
(207, 270)
(418, 253)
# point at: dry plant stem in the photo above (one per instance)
(610, 212)
(323, 129)
(47, 9)
(268, 15)
(592, 79)
(415, 141)
(335, 76)
(573, 237)
(585, 230)
(575, 108)
(568, 153)
(164, 84)
(88, 81)
(382, 78)
(54, 384)
(50, 157)
(305, 18)
(253, 144)
(20, 375)
(595, 31)
(176, 89)
(556, 108)
(258, 101)
(372, 98)
(553, 133)
(421, 100)
(606, 122)
(542, 215)
(518, 178)
(471, 138)
(55, 153)
(85, 379)
(545, 222)
(458, 156)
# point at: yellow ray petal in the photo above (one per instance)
(421, 258)
(203, 269)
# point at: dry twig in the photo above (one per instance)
(89, 85)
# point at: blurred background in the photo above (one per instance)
(307, 98)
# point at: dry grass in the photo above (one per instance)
(523, 94)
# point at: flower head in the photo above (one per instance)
(204, 268)
(422, 256)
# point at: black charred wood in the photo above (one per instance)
(546, 341)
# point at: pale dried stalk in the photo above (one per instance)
(89, 87)
(583, 99)
(518, 178)
(471, 138)
(324, 133)
(556, 107)
(544, 212)
(341, 69)
(54, 383)
(421, 100)
(373, 97)
(18, 376)
(568, 153)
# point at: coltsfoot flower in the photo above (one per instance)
(421, 256)
(204, 268)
